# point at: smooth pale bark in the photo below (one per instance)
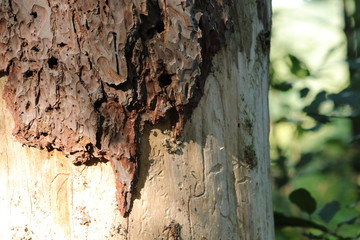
(215, 186)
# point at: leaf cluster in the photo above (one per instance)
(307, 204)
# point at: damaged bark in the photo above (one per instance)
(85, 76)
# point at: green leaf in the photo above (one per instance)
(313, 108)
(329, 211)
(354, 204)
(320, 118)
(305, 159)
(284, 86)
(304, 92)
(303, 199)
(354, 64)
(316, 127)
(298, 67)
(346, 97)
(316, 236)
(349, 221)
(283, 221)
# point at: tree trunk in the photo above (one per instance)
(210, 182)
(352, 33)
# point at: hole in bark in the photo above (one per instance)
(48, 109)
(173, 116)
(153, 103)
(34, 14)
(151, 23)
(186, 89)
(159, 26)
(89, 148)
(28, 74)
(165, 80)
(87, 25)
(48, 146)
(100, 121)
(36, 49)
(27, 105)
(53, 62)
(37, 97)
(62, 44)
(6, 71)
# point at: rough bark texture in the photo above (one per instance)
(85, 76)
(212, 183)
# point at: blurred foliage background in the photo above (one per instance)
(315, 118)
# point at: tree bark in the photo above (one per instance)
(211, 183)
(352, 32)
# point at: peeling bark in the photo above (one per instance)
(85, 76)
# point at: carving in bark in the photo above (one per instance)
(85, 76)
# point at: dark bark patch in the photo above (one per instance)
(165, 80)
(33, 14)
(36, 49)
(263, 39)
(52, 62)
(263, 12)
(28, 74)
(61, 44)
(250, 157)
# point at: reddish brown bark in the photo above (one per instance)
(85, 76)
